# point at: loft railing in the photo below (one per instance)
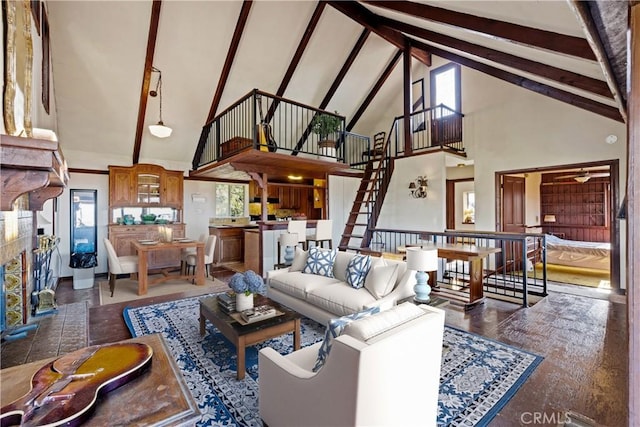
(266, 122)
(438, 126)
(515, 272)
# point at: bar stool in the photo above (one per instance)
(324, 233)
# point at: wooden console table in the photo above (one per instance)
(159, 397)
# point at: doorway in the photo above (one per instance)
(512, 199)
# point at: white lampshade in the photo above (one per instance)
(422, 259)
(549, 218)
(160, 130)
(288, 239)
(582, 179)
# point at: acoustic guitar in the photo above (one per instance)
(265, 134)
(65, 391)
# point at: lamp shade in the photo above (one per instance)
(422, 259)
(160, 130)
(549, 218)
(582, 179)
(288, 239)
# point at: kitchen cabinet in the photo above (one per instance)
(229, 244)
(121, 237)
(145, 185)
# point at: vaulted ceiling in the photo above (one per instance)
(335, 55)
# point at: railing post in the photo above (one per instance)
(525, 299)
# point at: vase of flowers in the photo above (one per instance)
(245, 285)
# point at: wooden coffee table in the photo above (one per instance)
(245, 335)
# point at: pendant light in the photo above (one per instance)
(159, 130)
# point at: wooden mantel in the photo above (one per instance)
(33, 166)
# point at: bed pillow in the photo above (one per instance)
(320, 262)
(335, 327)
(357, 270)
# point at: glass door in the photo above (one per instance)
(84, 232)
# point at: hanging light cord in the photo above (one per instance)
(158, 90)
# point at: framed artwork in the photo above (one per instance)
(417, 95)
(18, 55)
(45, 59)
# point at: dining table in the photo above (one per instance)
(145, 247)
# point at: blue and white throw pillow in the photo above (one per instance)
(320, 262)
(335, 327)
(357, 270)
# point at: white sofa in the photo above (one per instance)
(323, 298)
(384, 370)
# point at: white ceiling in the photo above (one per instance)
(98, 53)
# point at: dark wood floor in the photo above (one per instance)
(583, 341)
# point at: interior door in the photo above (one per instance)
(513, 219)
(513, 204)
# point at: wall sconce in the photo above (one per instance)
(549, 218)
(418, 187)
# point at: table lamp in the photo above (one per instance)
(289, 241)
(422, 260)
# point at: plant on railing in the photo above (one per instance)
(325, 124)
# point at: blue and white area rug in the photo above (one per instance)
(478, 375)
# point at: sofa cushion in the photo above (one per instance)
(299, 260)
(298, 284)
(335, 327)
(320, 262)
(341, 263)
(339, 298)
(381, 280)
(402, 266)
(374, 325)
(357, 270)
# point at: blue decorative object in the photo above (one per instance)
(478, 375)
(357, 270)
(422, 260)
(320, 262)
(335, 327)
(248, 283)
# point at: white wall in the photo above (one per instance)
(197, 214)
(401, 210)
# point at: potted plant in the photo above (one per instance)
(324, 125)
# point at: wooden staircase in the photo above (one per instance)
(368, 202)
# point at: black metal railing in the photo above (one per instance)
(434, 127)
(266, 122)
(516, 271)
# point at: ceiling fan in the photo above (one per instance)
(583, 176)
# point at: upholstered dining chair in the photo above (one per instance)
(189, 251)
(299, 226)
(324, 233)
(192, 259)
(127, 264)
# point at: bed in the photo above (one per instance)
(575, 253)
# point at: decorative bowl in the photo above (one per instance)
(148, 218)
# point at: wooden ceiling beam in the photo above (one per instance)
(492, 28)
(374, 90)
(228, 62)
(579, 81)
(581, 10)
(369, 20)
(302, 46)
(336, 83)
(146, 78)
(523, 82)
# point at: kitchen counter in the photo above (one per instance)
(234, 226)
(282, 225)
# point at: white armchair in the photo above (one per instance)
(384, 370)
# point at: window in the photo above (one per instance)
(445, 88)
(231, 200)
(469, 207)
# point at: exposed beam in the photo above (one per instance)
(569, 45)
(541, 88)
(374, 90)
(581, 11)
(579, 81)
(306, 37)
(146, 78)
(633, 212)
(231, 54)
(336, 83)
(369, 20)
